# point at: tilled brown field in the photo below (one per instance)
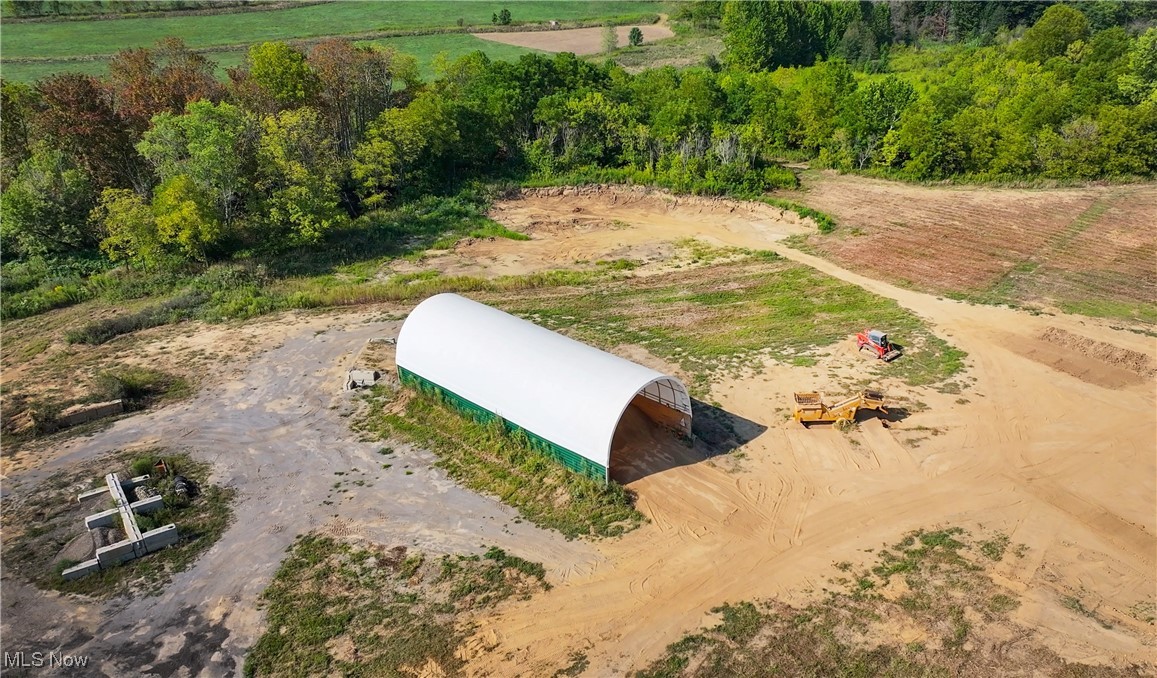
(1091, 249)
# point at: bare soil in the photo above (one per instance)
(1060, 461)
(580, 41)
(1021, 245)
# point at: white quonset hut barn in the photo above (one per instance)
(566, 396)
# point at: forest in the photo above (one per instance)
(159, 166)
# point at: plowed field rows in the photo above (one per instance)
(1092, 248)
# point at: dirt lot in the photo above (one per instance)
(1013, 453)
(1047, 438)
(1079, 246)
(581, 41)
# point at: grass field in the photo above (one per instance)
(725, 316)
(423, 47)
(83, 38)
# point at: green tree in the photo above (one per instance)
(915, 145)
(752, 32)
(185, 216)
(130, 228)
(635, 38)
(212, 146)
(282, 74)
(300, 169)
(610, 38)
(877, 109)
(44, 209)
(824, 94)
(764, 35)
(18, 104)
(405, 148)
(1140, 82)
(1058, 27)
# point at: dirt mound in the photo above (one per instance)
(1134, 361)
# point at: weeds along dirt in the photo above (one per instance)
(488, 459)
(365, 609)
(927, 607)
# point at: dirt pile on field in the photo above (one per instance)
(1134, 361)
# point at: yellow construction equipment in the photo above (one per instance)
(811, 409)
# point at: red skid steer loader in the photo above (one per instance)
(878, 342)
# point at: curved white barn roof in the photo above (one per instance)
(557, 388)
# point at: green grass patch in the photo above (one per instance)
(367, 610)
(140, 387)
(51, 518)
(491, 229)
(487, 459)
(1137, 311)
(689, 47)
(727, 316)
(825, 222)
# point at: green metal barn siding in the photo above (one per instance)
(572, 460)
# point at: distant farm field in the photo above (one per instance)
(422, 47)
(1088, 250)
(48, 40)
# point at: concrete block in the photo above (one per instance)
(103, 519)
(139, 480)
(78, 571)
(79, 414)
(115, 554)
(91, 493)
(160, 538)
(361, 378)
(148, 505)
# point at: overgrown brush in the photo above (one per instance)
(100, 331)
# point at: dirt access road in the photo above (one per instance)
(1040, 447)
(276, 434)
(1035, 448)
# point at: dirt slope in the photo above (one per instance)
(1061, 463)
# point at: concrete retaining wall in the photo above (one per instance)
(79, 414)
(87, 567)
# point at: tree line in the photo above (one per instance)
(158, 163)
